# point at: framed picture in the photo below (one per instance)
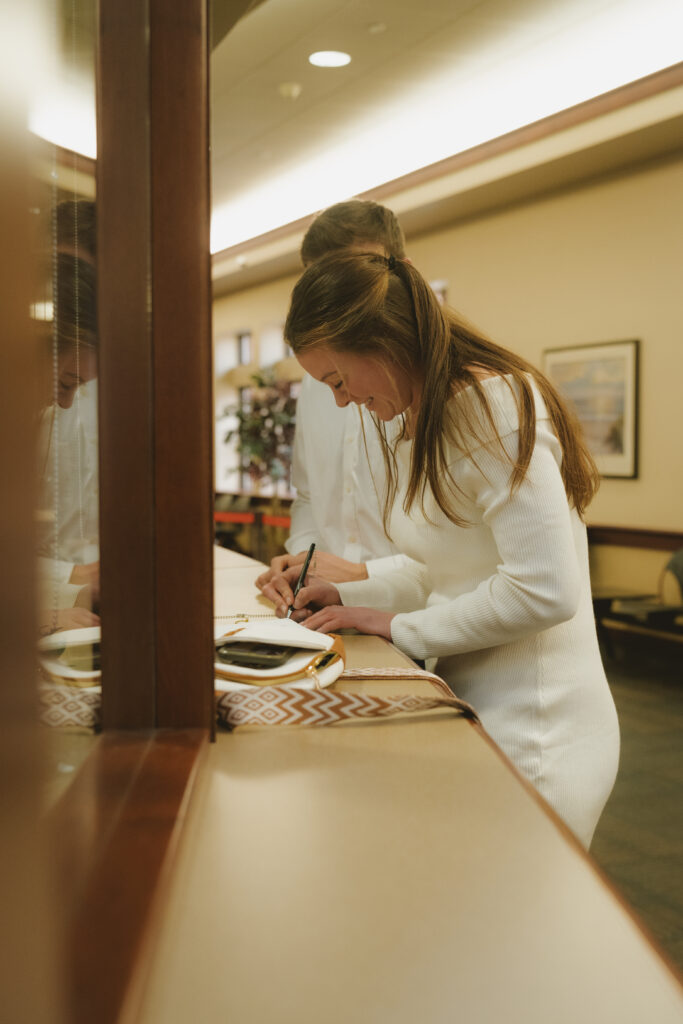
(601, 382)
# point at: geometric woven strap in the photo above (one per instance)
(70, 707)
(289, 705)
(75, 707)
(414, 673)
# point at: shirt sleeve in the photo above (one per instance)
(536, 583)
(302, 531)
(54, 589)
(378, 566)
(402, 589)
(54, 570)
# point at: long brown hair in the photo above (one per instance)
(369, 305)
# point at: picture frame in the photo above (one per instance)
(600, 381)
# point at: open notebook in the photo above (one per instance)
(236, 596)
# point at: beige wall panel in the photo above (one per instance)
(600, 263)
(593, 264)
(255, 309)
(633, 568)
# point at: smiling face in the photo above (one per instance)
(74, 368)
(387, 390)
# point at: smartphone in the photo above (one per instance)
(253, 655)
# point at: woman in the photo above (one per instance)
(487, 485)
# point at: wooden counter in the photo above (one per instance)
(392, 872)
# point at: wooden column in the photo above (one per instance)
(156, 423)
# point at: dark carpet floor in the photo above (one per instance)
(639, 840)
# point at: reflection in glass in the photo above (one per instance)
(67, 534)
(64, 311)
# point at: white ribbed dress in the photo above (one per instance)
(505, 606)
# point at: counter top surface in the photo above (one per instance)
(392, 871)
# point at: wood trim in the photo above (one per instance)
(114, 836)
(619, 626)
(75, 161)
(115, 831)
(635, 537)
(156, 428)
(125, 386)
(643, 88)
(182, 355)
(598, 106)
(45, 150)
(226, 14)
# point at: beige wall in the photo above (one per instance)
(603, 262)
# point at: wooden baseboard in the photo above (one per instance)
(634, 629)
(635, 537)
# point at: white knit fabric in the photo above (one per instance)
(505, 605)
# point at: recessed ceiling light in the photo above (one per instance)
(329, 59)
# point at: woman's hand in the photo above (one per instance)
(67, 618)
(318, 606)
(364, 620)
(87, 575)
(325, 565)
(280, 590)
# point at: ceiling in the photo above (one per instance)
(474, 68)
(447, 109)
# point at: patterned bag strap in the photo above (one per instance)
(291, 705)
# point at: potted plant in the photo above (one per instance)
(265, 429)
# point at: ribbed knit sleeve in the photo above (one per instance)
(396, 589)
(534, 580)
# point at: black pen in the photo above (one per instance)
(302, 577)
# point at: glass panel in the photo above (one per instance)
(64, 311)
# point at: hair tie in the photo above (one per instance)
(391, 263)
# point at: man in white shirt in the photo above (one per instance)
(339, 485)
(338, 467)
(67, 514)
(67, 520)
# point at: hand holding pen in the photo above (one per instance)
(302, 576)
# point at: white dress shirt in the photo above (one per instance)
(339, 475)
(68, 496)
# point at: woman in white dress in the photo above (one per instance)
(488, 484)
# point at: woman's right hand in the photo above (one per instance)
(87, 575)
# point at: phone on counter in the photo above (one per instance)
(253, 655)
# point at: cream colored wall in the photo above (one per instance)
(254, 309)
(635, 568)
(598, 263)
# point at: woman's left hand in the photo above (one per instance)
(280, 590)
(364, 620)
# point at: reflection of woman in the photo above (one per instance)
(67, 453)
(488, 483)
